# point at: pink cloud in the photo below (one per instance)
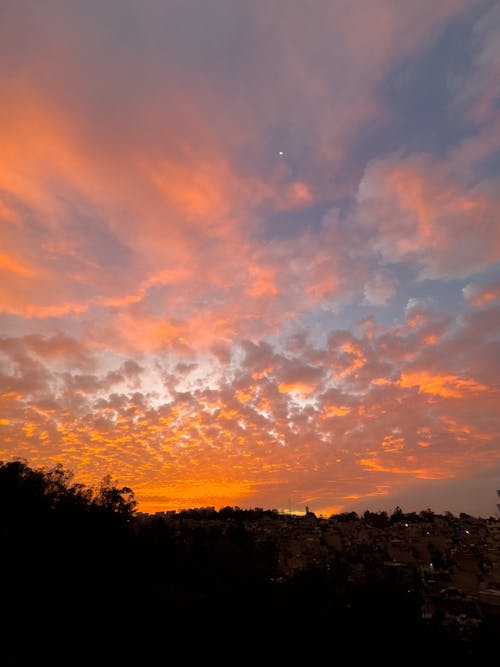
(482, 294)
(415, 212)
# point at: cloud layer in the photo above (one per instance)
(236, 267)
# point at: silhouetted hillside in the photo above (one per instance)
(86, 580)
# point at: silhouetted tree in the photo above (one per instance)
(376, 519)
(427, 515)
(115, 500)
(398, 515)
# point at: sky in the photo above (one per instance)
(250, 251)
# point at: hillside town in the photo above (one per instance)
(452, 563)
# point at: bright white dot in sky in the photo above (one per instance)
(281, 153)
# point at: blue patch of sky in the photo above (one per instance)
(485, 276)
(289, 224)
(444, 296)
(419, 95)
(489, 168)
(281, 147)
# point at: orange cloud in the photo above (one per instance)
(196, 193)
(380, 382)
(445, 386)
(244, 396)
(11, 265)
(391, 443)
(263, 284)
(335, 411)
(298, 387)
(258, 375)
(420, 473)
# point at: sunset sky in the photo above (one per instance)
(250, 250)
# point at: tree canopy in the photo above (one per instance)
(25, 490)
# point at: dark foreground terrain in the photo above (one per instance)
(86, 582)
